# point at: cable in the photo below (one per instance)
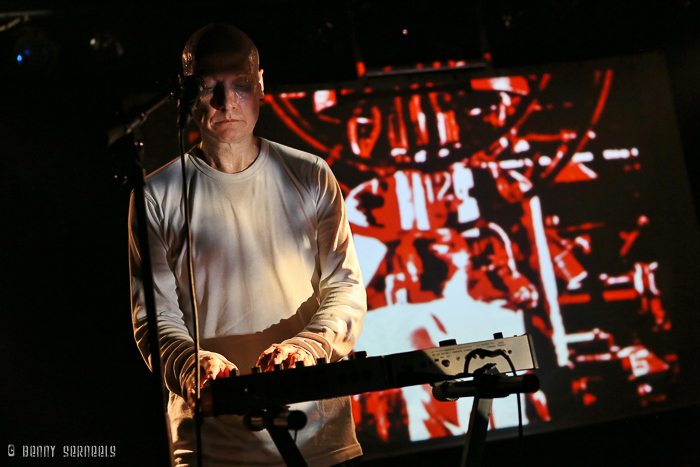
(517, 396)
(499, 352)
(193, 298)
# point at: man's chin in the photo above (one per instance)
(227, 137)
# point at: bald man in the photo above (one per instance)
(277, 277)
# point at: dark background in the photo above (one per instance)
(71, 373)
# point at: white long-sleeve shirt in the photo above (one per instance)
(274, 262)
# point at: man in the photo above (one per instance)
(277, 278)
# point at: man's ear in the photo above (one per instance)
(262, 84)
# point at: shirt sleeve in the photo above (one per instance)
(176, 344)
(335, 327)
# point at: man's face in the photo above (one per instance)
(229, 110)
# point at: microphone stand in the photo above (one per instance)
(278, 421)
(487, 385)
(136, 119)
(121, 140)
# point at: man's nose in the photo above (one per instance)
(231, 98)
(225, 99)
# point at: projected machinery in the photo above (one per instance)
(517, 203)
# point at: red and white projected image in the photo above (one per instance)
(511, 204)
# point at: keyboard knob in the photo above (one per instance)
(358, 354)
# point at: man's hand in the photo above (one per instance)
(286, 354)
(211, 366)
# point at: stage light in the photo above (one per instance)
(34, 52)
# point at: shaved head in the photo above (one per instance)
(216, 48)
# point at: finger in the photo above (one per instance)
(293, 357)
(224, 372)
(203, 377)
(274, 359)
(265, 356)
(301, 355)
(290, 361)
(280, 356)
(207, 362)
(263, 360)
(215, 367)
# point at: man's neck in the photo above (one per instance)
(230, 157)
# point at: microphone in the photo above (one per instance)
(488, 387)
(191, 92)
